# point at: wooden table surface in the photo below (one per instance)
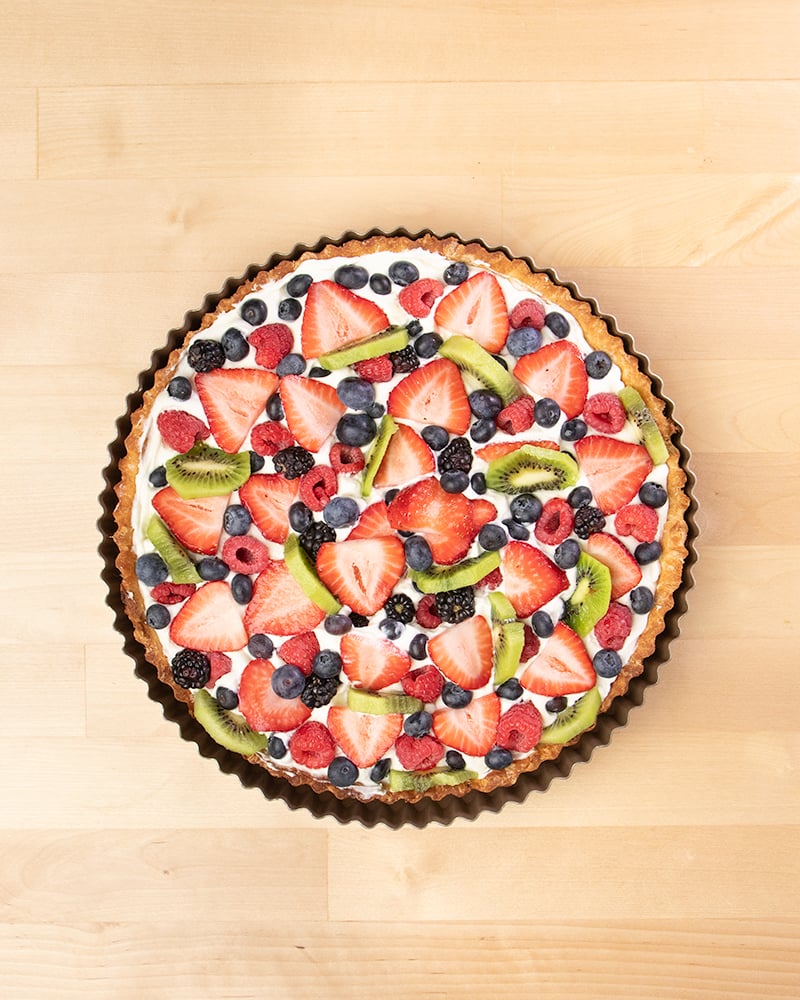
(649, 151)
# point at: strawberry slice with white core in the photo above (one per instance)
(562, 666)
(556, 371)
(364, 738)
(335, 317)
(373, 662)
(530, 578)
(210, 620)
(373, 523)
(278, 605)
(362, 572)
(432, 394)
(197, 524)
(264, 710)
(476, 309)
(312, 409)
(268, 497)
(625, 571)
(471, 730)
(615, 469)
(465, 652)
(233, 399)
(407, 458)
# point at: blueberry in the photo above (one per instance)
(454, 760)
(435, 437)
(340, 512)
(356, 393)
(292, 364)
(427, 345)
(573, 430)
(356, 429)
(352, 276)
(274, 407)
(300, 517)
(418, 647)
(299, 285)
(327, 663)
(414, 328)
(455, 273)
(391, 494)
(342, 772)
(525, 340)
(498, 758)
(485, 403)
(557, 324)
(254, 311)
(157, 616)
(492, 537)
(180, 387)
(380, 770)
(403, 272)
(151, 569)
(542, 624)
(454, 482)
(557, 704)
(256, 462)
(641, 600)
(227, 699)
(276, 747)
(260, 646)
(213, 568)
(158, 477)
(454, 696)
(510, 690)
(376, 410)
(242, 588)
(483, 430)
(653, 495)
(418, 553)
(478, 483)
(525, 508)
(581, 496)
(236, 520)
(516, 530)
(606, 663)
(418, 723)
(567, 554)
(380, 284)
(337, 624)
(288, 681)
(234, 345)
(546, 412)
(598, 364)
(647, 552)
(289, 309)
(391, 629)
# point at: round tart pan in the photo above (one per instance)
(372, 812)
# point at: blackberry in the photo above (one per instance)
(206, 355)
(455, 606)
(456, 457)
(318, 691)
(588, 520)
(359, 621)
(400, 608)
(293, 462)
(313, 537)
(405, 360)
(191, 668)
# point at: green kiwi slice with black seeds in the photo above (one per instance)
(180, 566)
(227, 728)
(530, 468)
(393, 339)
(573, 720)
(204, 471)
(473, 360)
(591, 597)
(438, 579)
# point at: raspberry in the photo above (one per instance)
(300, 650)
(220, 665)
(245, 554)
(270, 438)
(492, 580)
(312, 745)
(530, 644)
(424, 683)
(518, 416)
(426, 612)
(614, 627)
(190, 668)
(180, 430)
(293, 462)
(318, 486)
(375, 369)
(519, 728)
(346, 458)
(272, 343)
(588, 520)
(529, 312)
(555, 522)
(418, 753)
(605, 413)
(417, 298)
(404, 361)
(637, 520)
(172, 593)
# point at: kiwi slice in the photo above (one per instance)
(421, 781)
(204, 471)
(393, 339)
(572, 721)
(302, 569)
(382, 704)
(502, 609)
(531, 468)
(474, 360)
(180, 566)
(508, 635)
(438, 579)
(589, 601)
(649, 434)
(387, 428)
(229, 729)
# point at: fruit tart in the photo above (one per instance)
(400, 519)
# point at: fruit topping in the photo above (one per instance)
(418, 753)
(519, 728)
(530, 579)
(270, 438)
(180, 567)
(614, 627)
(233, 399)
(190, 668)
(314, 536)
(464, 653)
(352, 276)
(195, 523)
(300, 650)
(588, 521)
(373, 662)
(614, 469)
(318, 691)
(268, 498)
(424, 683)
(598, 364)
(301, 566)
(476, 309)
(264, 710)
(312, 409)
(181, 430)
(279, 605)
(467, 573)
(562, 666)
(403, 361)
(312, 745)
(518, 416)
(433, 394)
(637, 520)
(454, 605)
(272, 343)
(607, 663)
(641, 416)
(226, 727)
(364, 737)
(204, 471)
(317, 486)
(653, 495)
(605, 413)
(405, 458)
(471, 729)
(456, 457)
(172, 593)
(531, 468)
(369, 355)
(555, 522)
(573, 719)
(375, 369)
(528, 312)
(556, 371)
(335, 317)
(589, 601)
(210, 620)
(418, 298)
(362, 572)
(205, 355)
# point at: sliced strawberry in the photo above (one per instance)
(373, 523)
(181, 430)
(483, 511)
(477, 309)
(335, 317)
(432, 394)
(196, 524)
(363, 572)
(556, 371)
(233, 399)
(300, 650)
(264, 710)
(464, 652)
(407, 458)
(471, 730)
(278, 605)
(530, 579)
(210, 620)
(489, 452)
(615, 469)
(268, 497)
(363, 738)
(638, 521)
(312, 409)
(561, 667)
(625, 571)
(373, 662)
